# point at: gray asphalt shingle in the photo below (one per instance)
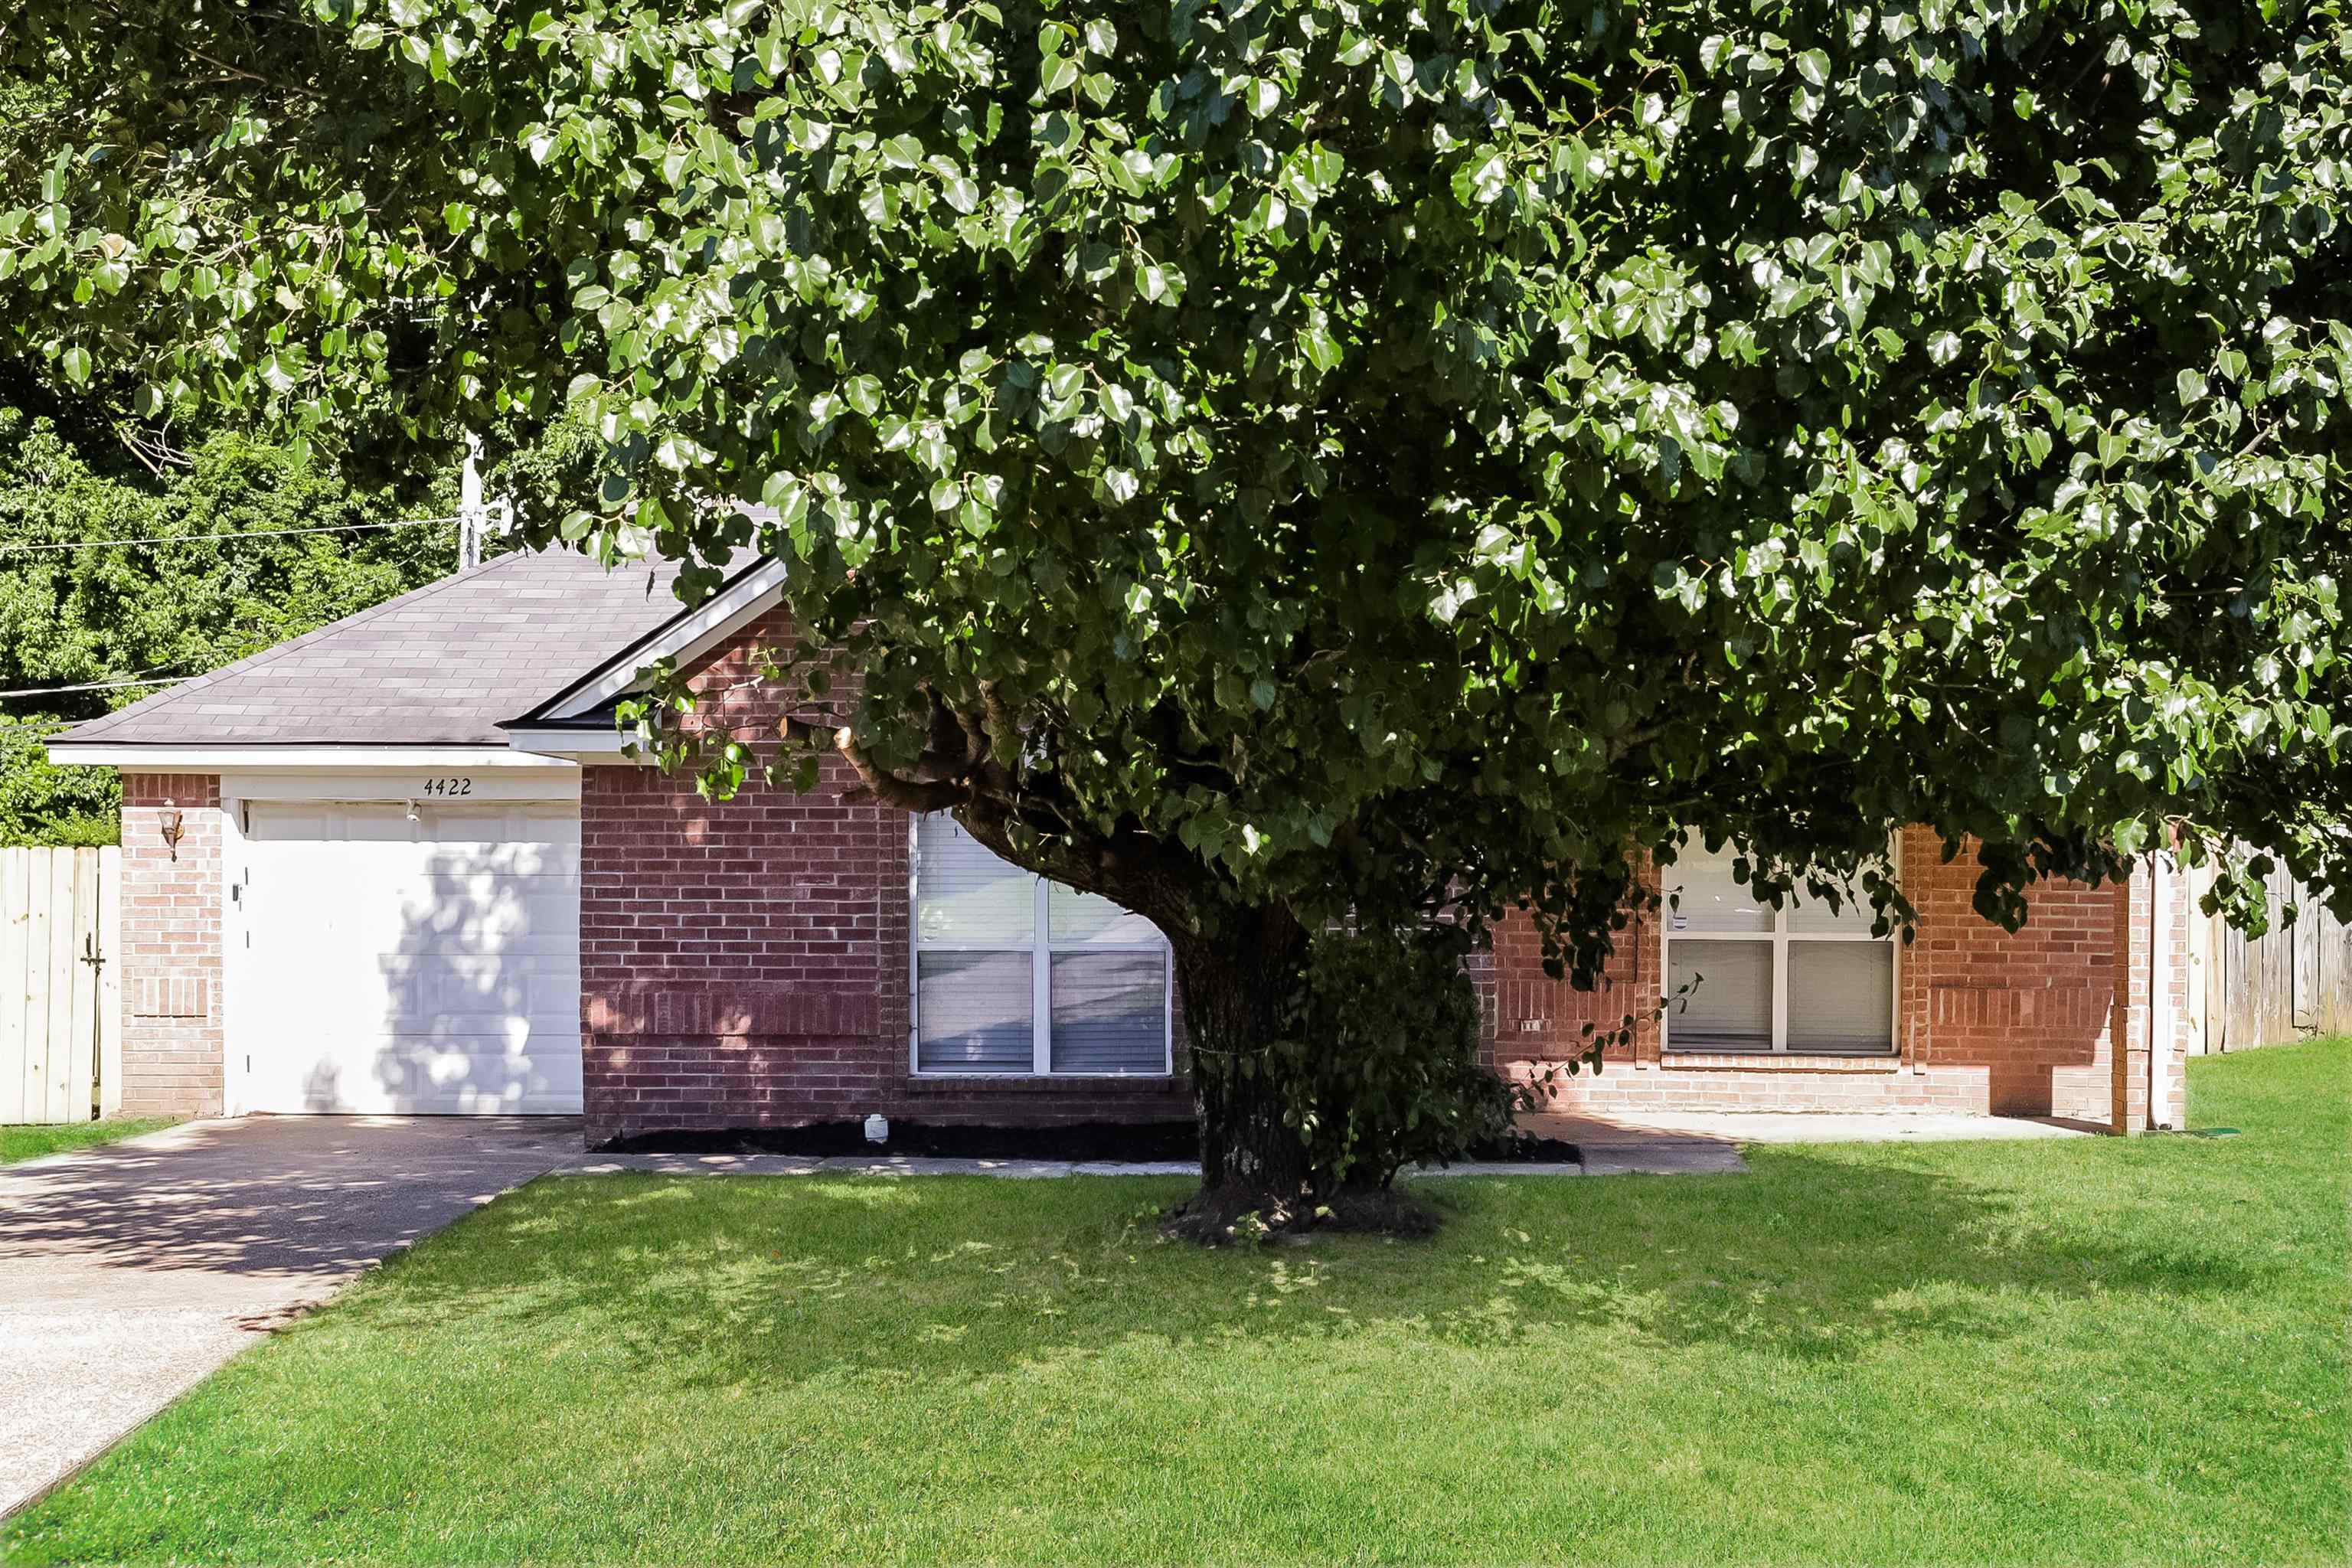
(439, 666)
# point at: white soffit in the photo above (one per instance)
(571, 744)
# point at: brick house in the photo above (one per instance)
(400, 864)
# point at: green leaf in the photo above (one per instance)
(1322, 351)
(1482, 182)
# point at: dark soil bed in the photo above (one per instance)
(1082, 1140)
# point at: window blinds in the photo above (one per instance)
(1016, 974)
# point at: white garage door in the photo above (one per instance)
(410, 958)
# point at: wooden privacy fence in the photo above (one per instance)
(2292, 983)
(61, 986)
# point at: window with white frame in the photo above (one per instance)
(1742, 977)
(1015, 974)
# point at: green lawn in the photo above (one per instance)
(2093, 1350)
(22, 1142)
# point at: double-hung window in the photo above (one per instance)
(1017, 974)
(1742, 977)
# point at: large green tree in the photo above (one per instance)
(1264, 461)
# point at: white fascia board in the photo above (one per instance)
(412, 786)
(751, 595)
(304, 759)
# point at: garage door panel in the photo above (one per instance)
(483, 917)
(423, 867)
(457, 862)
(433, 993)
(451, 1079)
(411, 957)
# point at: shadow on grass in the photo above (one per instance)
(715, 1282)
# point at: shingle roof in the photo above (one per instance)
(440, 665)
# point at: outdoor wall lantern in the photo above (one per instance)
(172, 827)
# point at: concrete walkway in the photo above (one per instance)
(1666, 1143)
(1670, 1142)
(1669, 1156)
(130, 1271)
(1672, 1156)
(1691, 1143)
(753, 1164)
(1651, 1128)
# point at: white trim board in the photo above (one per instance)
(684, 641)
(154, 759)
(439, 785)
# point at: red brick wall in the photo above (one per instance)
(1531, 1015)
(2036, 1011)
(2022, 1024)
(170, 946)
(744, 963)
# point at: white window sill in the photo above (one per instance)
(1038, 1081)
(1781, 1062)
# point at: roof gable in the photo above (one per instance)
(587, 702)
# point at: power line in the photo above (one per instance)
(94, 686)
(202, 538)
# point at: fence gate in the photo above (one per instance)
(60, 988)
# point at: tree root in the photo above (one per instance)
(1230, 1218)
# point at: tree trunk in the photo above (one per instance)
(1237, 992)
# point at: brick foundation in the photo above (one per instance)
(1678, 1082)
(170, 946)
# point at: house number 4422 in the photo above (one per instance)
(449, 786)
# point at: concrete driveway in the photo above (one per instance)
(129, 1272)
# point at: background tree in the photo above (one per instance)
(1269, 460)
(78, 615)
(41, 804)
(113, 571)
